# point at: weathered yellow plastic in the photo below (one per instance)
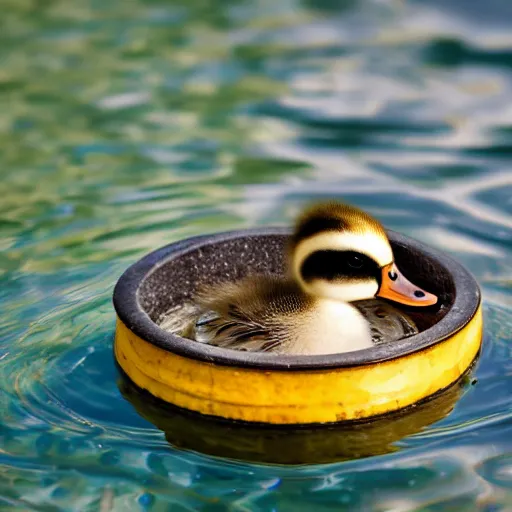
(298, 397)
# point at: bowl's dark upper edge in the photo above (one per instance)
(126, 304)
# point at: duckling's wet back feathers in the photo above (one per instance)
(255, 314)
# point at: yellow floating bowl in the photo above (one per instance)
(289, 390)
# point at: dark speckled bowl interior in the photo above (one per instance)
(170, 276)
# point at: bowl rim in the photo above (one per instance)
(128, 309)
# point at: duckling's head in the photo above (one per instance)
(340, 252)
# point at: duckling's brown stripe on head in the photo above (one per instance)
(333, 216)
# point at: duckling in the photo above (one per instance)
(338, 254)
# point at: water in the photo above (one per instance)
(128, 125)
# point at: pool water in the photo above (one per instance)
(126, 125)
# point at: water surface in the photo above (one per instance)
(128, 125)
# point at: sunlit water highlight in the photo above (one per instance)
(126, 126)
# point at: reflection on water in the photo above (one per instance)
(127, 126)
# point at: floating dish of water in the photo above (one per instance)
(272, 389)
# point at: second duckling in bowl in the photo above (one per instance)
(341, 272)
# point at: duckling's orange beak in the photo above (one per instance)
(394, 286)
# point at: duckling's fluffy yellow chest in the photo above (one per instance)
(329, 327)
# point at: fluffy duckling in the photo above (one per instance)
(338, 254)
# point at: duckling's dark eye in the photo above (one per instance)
(355, 261)
(392, 275)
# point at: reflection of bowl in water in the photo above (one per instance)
(286, 444)
(268, 388)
